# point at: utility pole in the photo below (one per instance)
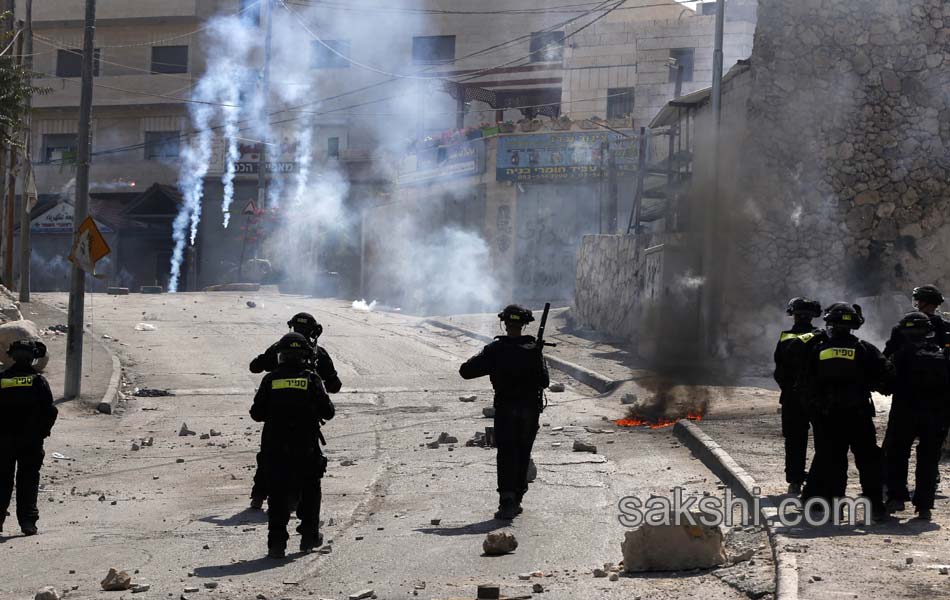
(714, 269)
(267, 21)
(8, 6)
(717, 64)
(26, 160)
(613, 200)
(77, 290)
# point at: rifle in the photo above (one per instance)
(540, 344)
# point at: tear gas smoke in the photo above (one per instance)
(362, 306)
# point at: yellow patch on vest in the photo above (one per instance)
(290, 384)
(832, 353)
(805, 337)
(16, 382)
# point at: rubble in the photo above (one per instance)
(47, 593)
(629, 399)
(489, 411)
(445, 438)
(116, 581)
(138, 588)
(117, 291)
(367, 593)
(145, 327)
(532, 470)
(600, 572)
(580, 446)
(151, 289)
(673, 547)
(347, 463)
(499, 543)
(537, 588)
(489, 592)
(556, 387)
(150, 393)
(214, 433)
(204, 436)
(58, 328)
(614, 577)
(184, 431)
(472, 398)
(251, 304)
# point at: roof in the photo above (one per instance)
(122, 210)
(669, 114)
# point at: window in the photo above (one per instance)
(161, 144)
(433, 49)
(69, 63)
(707, 8)
(169, 59)
(251, 11)
(619, 102)
(684, 58)
(324, 58)
(333, 147)
(547, 46)
(60, 147)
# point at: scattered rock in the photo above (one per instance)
(629, 399)
(151, 393)
(367, 593)
(204, 436)
(537, 588)
(191, 590)
(489, 411)
(580, 446)
(138, 588)
(600, 573)
(532, 470)
(524, 576)
(347, 463)
(145, 327)
(499, 543)
(184, 431)
(445, 438)
(116, 581)
(47, 593)
(435, 521)
(179, 460)
(614, 577)
(556, 387)
(673, 547)
(909, 560)
(214, 433)
(945, 570)
(135, 447)
(251, 304)
(432, 445)
(468, 398)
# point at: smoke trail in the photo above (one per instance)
(303, 158)
(232, 154)
(195, 159)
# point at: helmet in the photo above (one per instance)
(517, 314)
(804, 305)
(915, 321)
(842, 313)
(305, 324)
(929, 294)
(293, 347)
(26, 350)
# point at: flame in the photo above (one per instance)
(641, 421)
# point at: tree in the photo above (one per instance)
(16, 87)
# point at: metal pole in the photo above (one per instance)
(7, 248)
(27, 161)
(77, 290)
(634, 223)
(267, 15)
(612, 191)
(717, 64)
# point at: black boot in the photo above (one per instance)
(257, 502)
(28, 529)
(507, 507)
(276, 552)
(309, 543)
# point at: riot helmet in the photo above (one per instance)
(928, 294)
(516, 314)
(915, 326)
(844, 315)
(26, 351)
(306, 325)
(803, 306)
(293, 348)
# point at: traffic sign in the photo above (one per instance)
(89, 247)
(250, 208)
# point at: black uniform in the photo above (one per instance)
(839, 376)
(519, 375)
(789, 361)
(941, 335)
(28, 415)
(323, 365)
(291, 402)
(921, 410)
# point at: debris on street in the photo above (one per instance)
(489, 411)
(145, 327)
(499, 543)
(468, 398)
(673, 547)
(556, 387)
(580, 446)
(116, 581)
(150, 393)
(47, 593)
(184, 431)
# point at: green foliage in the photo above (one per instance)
(15, 90)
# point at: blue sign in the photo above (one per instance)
(568, 156)
(459, 160)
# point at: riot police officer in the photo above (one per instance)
(789, 354)
(840, 372)
(921, 410)
(292, 403)
(515, 364)
(927, 298)
(306, 325)
(28, 415)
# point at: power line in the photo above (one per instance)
(12, 41)
(567, 8)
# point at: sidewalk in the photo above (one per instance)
(896, 559)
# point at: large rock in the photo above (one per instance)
(116, 581)
(47, 593)
(673, 547)
(19, 330)
(499, 543)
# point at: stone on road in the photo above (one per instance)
(673, 547)
(499, 543)
(116, 581)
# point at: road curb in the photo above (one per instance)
(586, 376)
(728, 470)
(111, 397)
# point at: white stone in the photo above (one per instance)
(673, 547)
(47, 593)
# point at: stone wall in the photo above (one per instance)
(842, 180)
(607, 291)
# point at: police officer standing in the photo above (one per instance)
(292, 403)
(306, 325)
(28, 415)
(519, 375)
(920, 410)
(840, 372)
(789, 355)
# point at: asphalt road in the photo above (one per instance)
(175, 524)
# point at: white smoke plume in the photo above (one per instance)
(232, 154)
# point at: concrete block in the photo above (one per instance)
(151, 289)
(118, 291)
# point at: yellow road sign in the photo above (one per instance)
(89, 247)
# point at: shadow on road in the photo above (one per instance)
(247, 516)
(470, 529)
(247, 567)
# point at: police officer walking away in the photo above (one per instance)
(789, 355)
(921, 410)
(840, 373)
(519, 375)
(292, 403)
(927, 298)
(28, 415)
(306, 325)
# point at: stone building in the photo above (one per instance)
(831, 171)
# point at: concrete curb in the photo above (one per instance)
(586, 376)
(111, 397)
(726, 468)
